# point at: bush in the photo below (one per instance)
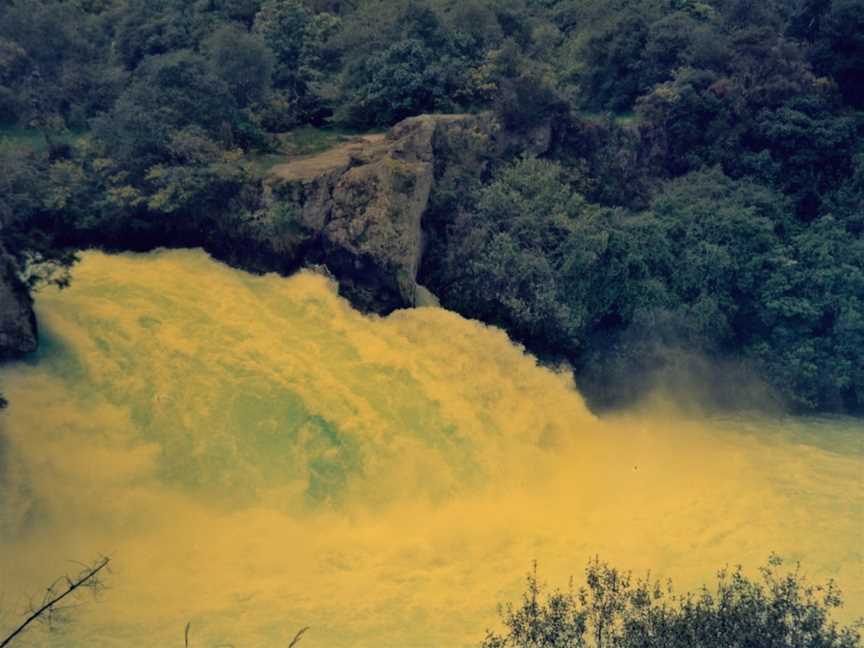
(780, 609)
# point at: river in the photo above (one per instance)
(256, 456)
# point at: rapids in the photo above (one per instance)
(256, 456)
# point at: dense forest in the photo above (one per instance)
(698, 198)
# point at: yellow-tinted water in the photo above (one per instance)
(255, 456)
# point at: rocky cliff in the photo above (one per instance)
(17, 320)
(359, 209)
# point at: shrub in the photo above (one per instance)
(780, 609)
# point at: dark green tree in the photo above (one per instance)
(839, 48)
(168, 93)
(243, 61)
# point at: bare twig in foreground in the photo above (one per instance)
(297, 637)
(87, 578)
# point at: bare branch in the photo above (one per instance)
(86, 578)
(297, 637)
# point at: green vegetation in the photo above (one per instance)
(615, 610)
(33, 140)
(697, 191)
(714, 266)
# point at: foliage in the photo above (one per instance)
(613, 609)
(401, 81)
(242, 61)
(197, 177)
(837, 29)
(525, 96)
(697, 193)
(812, 307)
(296, 37)
(169, 92)
(718, 267)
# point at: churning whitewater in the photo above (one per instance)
(256, 456)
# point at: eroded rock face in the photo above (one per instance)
(17, 320)
(373, 238)
(356, 209)
(364, 203)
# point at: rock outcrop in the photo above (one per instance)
(360, 207)
(17, 320)
(356, 209)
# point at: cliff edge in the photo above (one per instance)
(359, 209)
(17, 319)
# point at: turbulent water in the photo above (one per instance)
(255, 456)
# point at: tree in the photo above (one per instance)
(243, 61)
(810, 148)
(25, 222)
(401, 81)
(806, 23)
(525, 97)
(284, 26)
(812, 312)
(198, 176)
(846, 203)
(503, 264)
(611, 77)
(555, 620)
(14, 64)
(839, 48)
(296, 37)
(240, 11)
(152, 27)
(615, 610)
(168, 93)
(54, 58)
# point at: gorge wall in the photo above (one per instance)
(17, 320)
(356, 210)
